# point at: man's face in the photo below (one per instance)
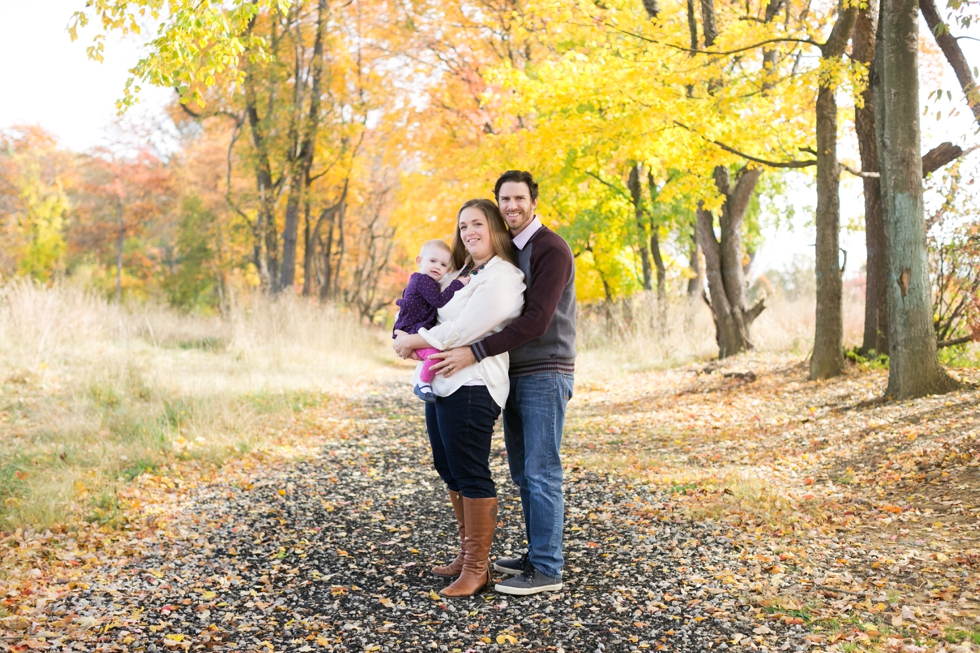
(514, 200)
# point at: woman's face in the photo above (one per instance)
(474, 231)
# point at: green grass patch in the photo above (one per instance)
(135, 468)
(847, 478)
(959, 635)
(104, 396)
(268, 402)
(870, 360)
(965, 355)
(207, 343)
(682, 488)
(105, 507)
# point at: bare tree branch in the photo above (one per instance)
(748, 157)
(954, 55)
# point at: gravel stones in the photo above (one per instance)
(333, 553)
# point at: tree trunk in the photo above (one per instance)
(309, 250)
(733, 214)
(695, 284)
(326, 284)
(341, 246)
(723, 262)
(120, 240)
(269, 264)
(299, 182)
(875, 306)
(692, 27)
(328, 217)
(727, 332)
(658, 261)
(769, 54)
(828, 340)
(914, 369)
(708, 25)
(642, 230)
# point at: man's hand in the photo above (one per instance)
(404, 346)
(452, 361)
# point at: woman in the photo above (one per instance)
(460, 421)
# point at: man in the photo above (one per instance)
(542, 363)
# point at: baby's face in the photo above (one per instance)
(433, 261)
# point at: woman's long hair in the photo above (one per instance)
(499, 234)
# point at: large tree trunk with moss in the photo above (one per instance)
(828, 340)
(723, 262)
(875, 305)
(914, 369)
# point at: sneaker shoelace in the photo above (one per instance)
(529, 571)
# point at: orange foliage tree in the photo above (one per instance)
(120, 198)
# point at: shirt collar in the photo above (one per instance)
(520, 240)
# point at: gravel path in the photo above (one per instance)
(332, 554)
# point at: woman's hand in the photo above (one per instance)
(400, 347)
(405, 344)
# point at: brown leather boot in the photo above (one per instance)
(480, 517)
(453, 568)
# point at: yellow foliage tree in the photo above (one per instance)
(35, 176)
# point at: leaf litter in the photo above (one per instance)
(704, 512)
(855, 515)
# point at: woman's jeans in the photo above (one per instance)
(460, 429)
(533, 421)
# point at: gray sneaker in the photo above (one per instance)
(510, 566)
(530, 581)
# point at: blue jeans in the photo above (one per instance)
(533, 421)
(460, 429)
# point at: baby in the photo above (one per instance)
(421, 301)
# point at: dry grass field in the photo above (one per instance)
(631, 342)
(93, 394)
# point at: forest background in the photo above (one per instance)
(270, 214)
(403, 128)
(215, 280)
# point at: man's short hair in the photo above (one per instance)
(516, 176)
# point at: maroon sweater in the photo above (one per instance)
(542, 339)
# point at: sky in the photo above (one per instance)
(49, 81)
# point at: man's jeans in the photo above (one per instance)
(533, 421)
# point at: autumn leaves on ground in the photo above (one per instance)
(851, 517)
